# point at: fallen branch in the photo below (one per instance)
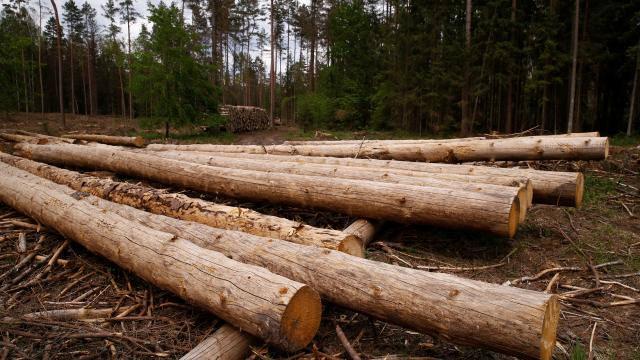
(346, 344)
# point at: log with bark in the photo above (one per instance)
(418, 141)
(522, 190)
(193, 209)
(135, 141)
(278, 310)
(513, 321)
(364, 229)
(226, 343)
(16, 137)
(397, 202)
(549, 187)
(523, 148)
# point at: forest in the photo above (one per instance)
(424, 67)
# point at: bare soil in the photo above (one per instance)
(606, 230)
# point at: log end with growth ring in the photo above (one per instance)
(352, 245)
(549, 328)
(523, 200)
(301, 320)
(514, 218)
(580, 188)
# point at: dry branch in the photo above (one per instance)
(227, 343)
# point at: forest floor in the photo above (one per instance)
(606, 230)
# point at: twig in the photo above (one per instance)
(545, 272)
(593, 333)
(447, 268)
(553, 281)
(596, 276)
(347, 345)
(619, 284)
(627, 209)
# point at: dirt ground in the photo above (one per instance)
(601, 240)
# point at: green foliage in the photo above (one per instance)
(597, 188)
(314, 111)
(170, 85)
(578, 352)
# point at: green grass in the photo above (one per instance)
(578, 352)
(624, 140)
(368, 134)
(186, 137)
(597, 188)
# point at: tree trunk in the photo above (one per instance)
(130, 66)
(574, 55)
(403, 203)
(60, 76)
(136, 141)
(514, 321)
(278, 310)
(632, 101)
(466, 126)
(272, 76)
(522, 148)
(312, 53)
(227, 343)
(549, 187)
(517, 190)
(40, 60)
(73, 85)
(193, 209)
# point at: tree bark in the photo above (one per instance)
(523, 148)
(278, 310)
(227, 343)
(549, 187)
(136, 141)
(466, 126)
(514, 321)
(518, 190)
(193, 209)
(402, 203)
(272, 76)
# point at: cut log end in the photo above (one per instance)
(138, 141)
(514, 218)
(523, 199)
(549, 328)
(301, 319)
(579, 189)
(352, 245)
(606, 148)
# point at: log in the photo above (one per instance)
(193, 209)
(42, 136)
(135, 141)
(549, 187)
(227, 343)
(418, 141)
(382, 172)
(364, 229)
(245, 118)
(514, 321)
(397, 202)
(523, 148)
(15, 137)
(522, 190)
(278, 310)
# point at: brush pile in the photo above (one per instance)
(275, 271)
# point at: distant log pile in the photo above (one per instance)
(245, 118)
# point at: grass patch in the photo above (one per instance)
(578, 352)
(367, 134)
(597, 188)
(624, 140)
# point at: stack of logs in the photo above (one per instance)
(244, 118)
(272, 269)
